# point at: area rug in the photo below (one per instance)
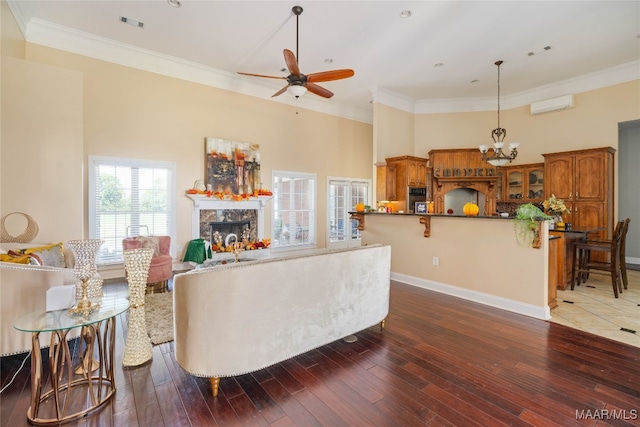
(159, 316)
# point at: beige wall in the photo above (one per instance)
(136, 114)
(394, 132)
(479, 259)
(41, 148)
(593, 122)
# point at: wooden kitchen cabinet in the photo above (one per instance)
(410, 171)
(564, 256)
(583, 179)
(500, 186)
(552, 288)
(386, 182)
(401, 173)
(417, 173)
(523, 183)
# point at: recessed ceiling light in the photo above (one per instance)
(131, 22)
(405, 14)
(174, 3)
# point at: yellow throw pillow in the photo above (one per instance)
(16, 259)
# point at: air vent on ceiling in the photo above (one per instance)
(132, 22)
(553, 104)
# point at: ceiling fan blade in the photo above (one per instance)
(318, 90)
(292, 64)
(261, 75)
(281, 91)
(325, 76)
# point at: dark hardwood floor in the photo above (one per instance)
(440, 361)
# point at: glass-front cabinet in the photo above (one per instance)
(500, 185)
(523, 183)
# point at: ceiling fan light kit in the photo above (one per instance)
(297, 90)
(297, 83)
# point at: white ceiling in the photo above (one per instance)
(390, 55)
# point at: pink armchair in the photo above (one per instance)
(161, 269)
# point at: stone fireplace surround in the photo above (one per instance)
(211, 209)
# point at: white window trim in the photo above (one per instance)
(350, 181)
(124, 161)
(314, 242)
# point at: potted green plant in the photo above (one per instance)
(527, 224)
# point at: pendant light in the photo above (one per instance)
(499, 158)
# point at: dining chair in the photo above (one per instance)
(623, 243)
(583, 265)
(621, 252)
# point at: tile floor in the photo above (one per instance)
(592, 307)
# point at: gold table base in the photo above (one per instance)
(72, 396)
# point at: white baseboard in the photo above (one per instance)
(630, 260)
(542, 313)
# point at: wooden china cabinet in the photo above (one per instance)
(583, 179)
(523, 183)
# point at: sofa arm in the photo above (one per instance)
(23, 289)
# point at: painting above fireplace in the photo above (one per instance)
(232, 167)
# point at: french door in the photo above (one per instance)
(343, 194)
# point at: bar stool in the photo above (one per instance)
(623, 244)
(583, 265)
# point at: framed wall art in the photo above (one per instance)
(232, 166)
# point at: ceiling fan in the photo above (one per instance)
(298, 83)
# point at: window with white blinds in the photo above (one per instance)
(294, 209)
(129, 197)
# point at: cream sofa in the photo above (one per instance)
(238, 318)
(23, 290)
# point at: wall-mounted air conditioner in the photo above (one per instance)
(553, 104)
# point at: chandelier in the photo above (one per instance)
(499, 158)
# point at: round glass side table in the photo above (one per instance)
(74, 392)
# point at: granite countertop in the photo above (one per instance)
(435, 215)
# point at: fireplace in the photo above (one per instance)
(211, 214)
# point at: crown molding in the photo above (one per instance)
(63, 38)
(608, 77)
(392, 99)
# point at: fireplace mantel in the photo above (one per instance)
(202, 202)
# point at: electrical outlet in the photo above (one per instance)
(436, 260)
